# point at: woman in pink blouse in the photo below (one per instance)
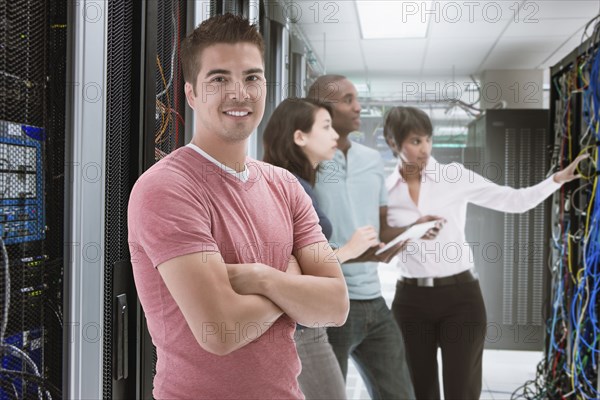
(438, 301)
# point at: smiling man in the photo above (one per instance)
(227, 253)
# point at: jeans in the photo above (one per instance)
(373, 340)
(321, 377)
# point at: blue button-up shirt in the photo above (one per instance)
(350, 190)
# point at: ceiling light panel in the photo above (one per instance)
(394, 19)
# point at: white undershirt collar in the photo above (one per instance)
(242, 176)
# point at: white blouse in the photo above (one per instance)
(445, 191)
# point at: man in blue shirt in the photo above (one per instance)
(351, 191)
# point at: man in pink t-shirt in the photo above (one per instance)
(227, 252)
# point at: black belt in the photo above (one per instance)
(463, 277)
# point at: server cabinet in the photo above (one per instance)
(127, 55)
(275, 32)
(572, 323)
(162, 112)
(509, 147)
(32, 162)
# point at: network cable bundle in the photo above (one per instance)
(570, 367)
(170, 124)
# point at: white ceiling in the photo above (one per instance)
(485, 36)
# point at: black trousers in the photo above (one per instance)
(452, 318)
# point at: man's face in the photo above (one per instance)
(346, 108)
(229, 100)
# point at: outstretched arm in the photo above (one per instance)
(488, 194)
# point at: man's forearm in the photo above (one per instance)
(310, 300)
(248, 318)
(243, 319)
(319, 297)
(242, 311)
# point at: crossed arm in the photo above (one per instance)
(217, 299)
(316, 297)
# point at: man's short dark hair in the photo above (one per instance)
(226, 28)
(324, 87)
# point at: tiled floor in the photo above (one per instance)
(503, 371)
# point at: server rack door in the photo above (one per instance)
(162, 109)
(33, 37)
(510, 250)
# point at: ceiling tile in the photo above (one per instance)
(559, 9)
(394, 54)
(514, 60)
(341, 31)
(311, 12)
(490, 11)
(546, 27)
(443, 54)
(529, 43)
(337, 57)
(466, 29)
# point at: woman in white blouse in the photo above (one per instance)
(438, 301)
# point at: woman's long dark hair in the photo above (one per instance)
(278, 137)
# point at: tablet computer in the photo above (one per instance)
(414, 232)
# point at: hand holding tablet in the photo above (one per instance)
(414, 232)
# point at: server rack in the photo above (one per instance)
(32, 135)
(297, 67)
(124, 101)
(162, 131)
(508, 147)
(571, 363)
(274, 28)
(134, 119)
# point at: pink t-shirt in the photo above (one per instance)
(186, 204)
